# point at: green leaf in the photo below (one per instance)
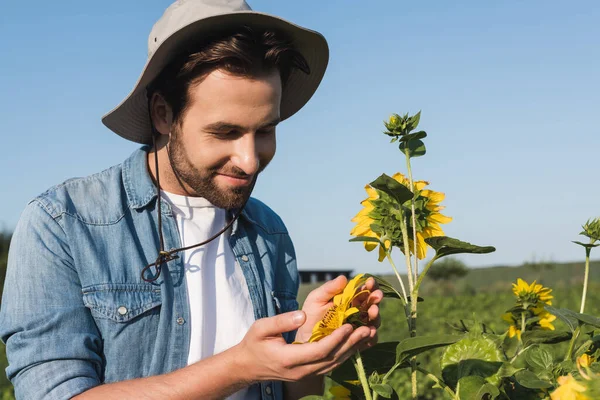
(374, 379)
(507, 370)
(387, 289)
(472, 356)
(414, 120)
(384, 390)
(539, 360)
(569, 320)
(572, 318)
(476, 388)
(393, 188)
(539, 336)
(445, 246)
(413, 148)
(394, 140)
(365, 239)
(413, 136)
(530, 380)
(379, 358)
(312, 397)
(586, 245)
(415, 345)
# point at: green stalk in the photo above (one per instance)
(413, 304)
(572, 343)
(389, 257)
(422, 276)
(523, 325)
(404, 228)
(585, 279)
(414, 217)
(434, 378)
(360, 370)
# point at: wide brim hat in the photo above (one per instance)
(187, 22)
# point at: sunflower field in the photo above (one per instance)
(529, 341)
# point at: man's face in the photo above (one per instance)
(226, 137)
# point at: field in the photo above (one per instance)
(487, 294)
(483, 292)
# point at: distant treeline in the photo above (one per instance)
(4, 242)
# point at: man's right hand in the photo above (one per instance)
(264, 355)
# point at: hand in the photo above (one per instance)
(264, 355)
(319, 301)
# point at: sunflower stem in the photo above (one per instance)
(362, 376)
(413, 215)
(389, 257)
(572, 343)
(585, 279)
(413, 301)
(406, 251)
(422, 276)
(441, 383)
(523, 324)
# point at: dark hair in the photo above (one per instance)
(243, 52)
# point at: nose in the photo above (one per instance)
(246, 155)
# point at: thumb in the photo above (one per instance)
(275, 326)
(325, 292)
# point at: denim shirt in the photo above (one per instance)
(75, 312)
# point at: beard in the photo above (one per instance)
(202, 182)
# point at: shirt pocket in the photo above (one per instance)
(284, 301)
(121, 302)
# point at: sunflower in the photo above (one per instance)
(513, 329)
(378, 218)
(533, 293)
(340, 393)
(545, 317)
(569, 389)
(340, 310)
(364, 221)
(584, 361)
(531, 302)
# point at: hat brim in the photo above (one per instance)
(130, 119)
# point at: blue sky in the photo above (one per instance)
(509, 93)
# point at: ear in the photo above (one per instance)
(162, 115)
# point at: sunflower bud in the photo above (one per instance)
(591, 229)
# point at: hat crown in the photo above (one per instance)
(184, 12)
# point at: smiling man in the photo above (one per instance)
(161, 277)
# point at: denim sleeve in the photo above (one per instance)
(291, 278)
(52, 343)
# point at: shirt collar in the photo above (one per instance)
(139, 186)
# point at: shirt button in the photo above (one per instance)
(180, 320)
(268, 390)
(245, 259)
(122, 310)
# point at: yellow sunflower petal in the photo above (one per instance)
(419, 185)
(439, 218)
(436, 197)
(382, 254)
(371, 192)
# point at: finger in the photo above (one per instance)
(370, 342)
(316, 352)
(325, 292)
(371, 285)
(374, 317)
(275, 326)
(356, 341)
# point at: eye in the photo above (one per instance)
(266, 131)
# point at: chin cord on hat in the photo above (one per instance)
(163, 255)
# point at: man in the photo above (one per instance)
(161, 277)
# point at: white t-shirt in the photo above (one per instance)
(220, 307)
